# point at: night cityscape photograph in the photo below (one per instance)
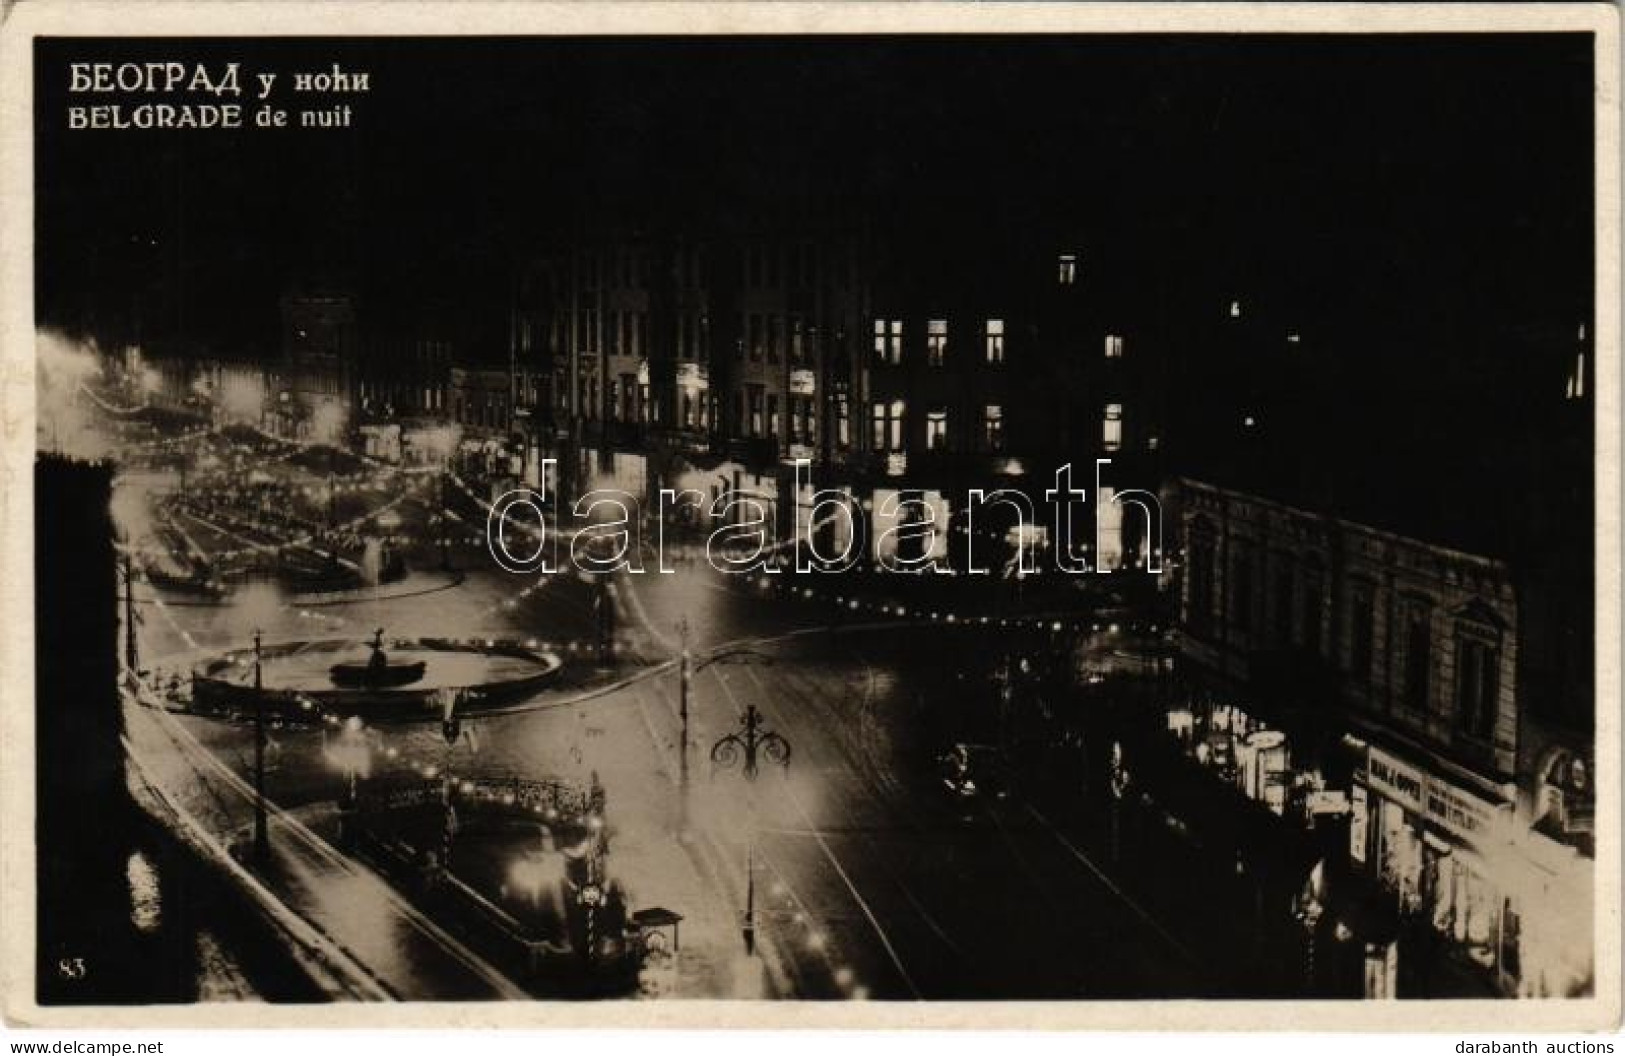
(899, 518)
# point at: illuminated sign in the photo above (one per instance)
(1357, 823)
(1397, 781)
(1453, 809)
(802, 382)
(693, 376)
(896, 464)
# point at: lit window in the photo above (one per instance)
(936, 340)
(936, 430)
(1067, 270)
(889, 340)
(995, 340)
(993, 426)
(1235, 309)
(1114, 346)
(887, 425)
(1112, 427)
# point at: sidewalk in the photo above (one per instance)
(360, 920)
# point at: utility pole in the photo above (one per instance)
(686, 673)
(262, 842)
(130, 655)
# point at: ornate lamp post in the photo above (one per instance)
(687, 669)
(451, 729)
(743, 750)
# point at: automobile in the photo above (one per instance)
(972, 773)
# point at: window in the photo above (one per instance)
(995, 340)
(1112, 427)
(1286, 593)
(1313, 589)
(936, 341)
(993, 427)
(1114, 346)
(889, 341)
(1067, 269)
(886, 425)
(1477, 661)
(936, 430)
(1362, 619)
(843, 422)
(772, 414)
(1199, 576)
(755, 410)
(1241, 592)
(755, 338)
(773, 332)
(1418, 655)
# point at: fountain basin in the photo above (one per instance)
(424, 673)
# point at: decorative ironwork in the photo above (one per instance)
(754, 741)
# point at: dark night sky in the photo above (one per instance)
(1394, 183)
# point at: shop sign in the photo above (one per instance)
(693, 376)
(896, 464)
(1332, 801)
(1458, 812)
(1357, 824)
(1399, 782)
(1453, 809)
(802, 382)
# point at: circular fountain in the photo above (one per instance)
(413, 678)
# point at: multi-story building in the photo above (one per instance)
(313, 387)
(1432, 663)
(728, 357)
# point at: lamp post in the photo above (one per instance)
(445, 516)
(743, 749)
(687, 669)
(451, 729)
(262, 843)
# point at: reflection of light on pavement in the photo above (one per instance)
(532, 875)
(749, 978)
(146, 903)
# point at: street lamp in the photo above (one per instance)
(451, 729)
(351, 755)
(262, 842)
(687, 669)
(742, 750)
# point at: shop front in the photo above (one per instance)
(1440, 849)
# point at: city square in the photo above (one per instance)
(679, 545)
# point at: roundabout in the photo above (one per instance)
(402, 679)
